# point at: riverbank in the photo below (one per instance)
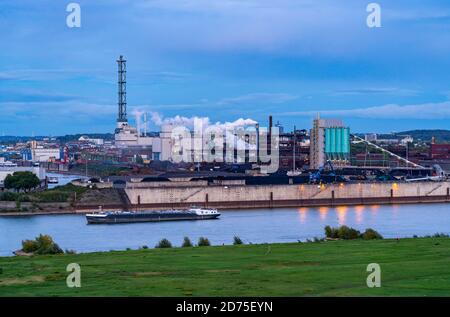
(66, 199)
(182, 195)
(409, 267)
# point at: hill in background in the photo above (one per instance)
(442, 136)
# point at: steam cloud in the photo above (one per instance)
(159, 120)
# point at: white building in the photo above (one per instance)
(41, 154)
(8, 168)
(128, 136)
(93, 141)
(166, 142)
(372, 137)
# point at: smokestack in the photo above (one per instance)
(122, 90)
(269, 141)
(145, 123)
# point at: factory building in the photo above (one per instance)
(41, 153)
(97, 142)
(127, 136)
(293, 149)
(330, 140)
(439, 151)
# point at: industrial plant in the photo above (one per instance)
(241, 164)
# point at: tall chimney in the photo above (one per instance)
(269, 141)
(122, 90)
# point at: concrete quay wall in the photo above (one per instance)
(261, 196)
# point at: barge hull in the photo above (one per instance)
(131, 219)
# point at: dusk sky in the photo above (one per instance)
(225, 59)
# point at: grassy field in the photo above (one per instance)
(410, 267)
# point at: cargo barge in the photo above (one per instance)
(151, 216)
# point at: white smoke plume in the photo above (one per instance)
(138, 117)
(159, 120)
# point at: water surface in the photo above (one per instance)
(256, 226)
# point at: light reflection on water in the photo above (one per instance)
(256, 226)
(341, 214)
(359, 214)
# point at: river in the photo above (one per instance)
(255, 226)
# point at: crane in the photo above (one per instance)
(388, 152)
(316, 177)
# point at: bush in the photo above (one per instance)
(29, 246)
(43, 244)
(53, 196)
(440, 235)
(331, 233)
(144, 247)
(164, 243)
(59, 194)
(343, 232)
(70, 252)
(371, 234)
(9, 196)
(237, 240)
(347, 233)
(47, 246)
(203, 242)
(186, 243)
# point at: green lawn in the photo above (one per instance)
(410, 267)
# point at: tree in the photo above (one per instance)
(237, 240)
(187, 243)
(203, 242)
(22, 181)
(164, 243)
(371, 234)
(43, 244)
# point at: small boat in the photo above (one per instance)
(151, 216)
(53, 180)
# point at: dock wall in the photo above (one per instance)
(268, 196)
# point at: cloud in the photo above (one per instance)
(32, 95)
(267, 98)
(54, 112)
(427, 111)
(43, 74)
(287, 26)
(377, 91)
(248, 100)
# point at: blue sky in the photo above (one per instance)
(225, 59)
